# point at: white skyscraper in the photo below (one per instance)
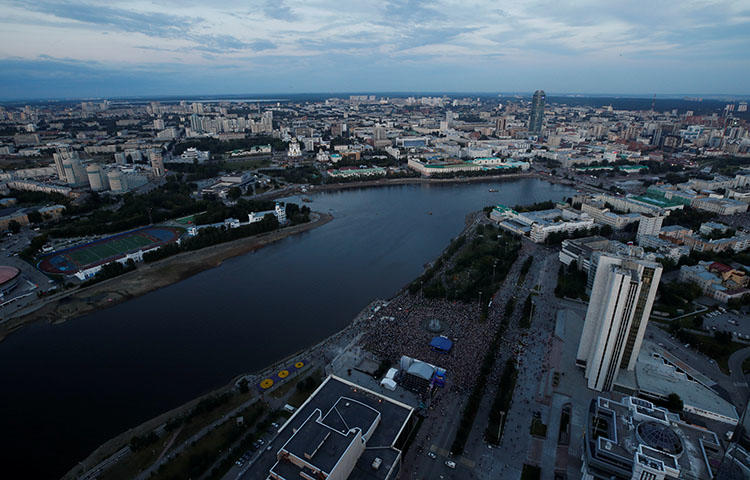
(622, 296)
(75, 172)
(97, 178)
(62, 154)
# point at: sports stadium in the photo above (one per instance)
(83, 257)
(8, 278)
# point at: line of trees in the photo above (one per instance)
(501, 403)
(469, 413)
(213, 236)
(216, 146)
(478, 268)
(172, 200)
(437, 265)
(110, 270)
(557, 237)
(571, 282)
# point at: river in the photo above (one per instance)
(67, 388)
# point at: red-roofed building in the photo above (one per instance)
(717, 267)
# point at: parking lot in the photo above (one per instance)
(730, 321)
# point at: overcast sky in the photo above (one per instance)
(113, 48)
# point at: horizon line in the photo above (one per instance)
(682, 96)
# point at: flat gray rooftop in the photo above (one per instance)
(393, 417)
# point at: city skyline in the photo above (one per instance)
(76, 49)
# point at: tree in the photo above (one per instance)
(14, 226)
(243, 386)
(235, 193)
(674, 403)
(723, 337)
(35, 217)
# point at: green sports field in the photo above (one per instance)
(97, 252)
(79, 257)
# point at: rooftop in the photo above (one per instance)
(324, 427)
(619, 432)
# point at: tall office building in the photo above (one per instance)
(622, 296)
(266, 121)
(536, 117)
(379, 133)
(75, 172)
(500, 124)
(196, 123)
(97, 178)
(62, 154)
(157, 163)
(118, 183)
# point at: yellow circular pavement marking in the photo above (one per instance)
(267, 383)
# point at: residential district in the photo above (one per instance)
(605, 336)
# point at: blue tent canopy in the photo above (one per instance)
(441, 344)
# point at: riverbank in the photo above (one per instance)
(315, 357)
(419, 180)
(147, 278)
(384, 182)
(320, 356)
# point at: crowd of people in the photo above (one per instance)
(402, 328)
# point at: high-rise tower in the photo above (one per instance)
(621, 299)
(157, 163)
(536, 116)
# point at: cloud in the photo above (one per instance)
(279, 10)
(467, 44)
(156, 24)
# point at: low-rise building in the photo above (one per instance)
(13, 214)
(632, 439)
(354, 172)
(279, 212)
(639, 203)
(433, 167)
(604, 216)
(716, 280)
(540, 224)
(720, 206)
(344, 432)
(708, 228)
(191, 155)
(658, 373)
(684, 236)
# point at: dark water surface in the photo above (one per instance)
(65, 389)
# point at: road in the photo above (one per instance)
(738, 377)
(738, 393)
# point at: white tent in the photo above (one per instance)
(388, 383)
